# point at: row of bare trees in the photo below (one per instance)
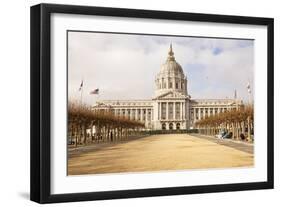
(88, 126)
(238, 121)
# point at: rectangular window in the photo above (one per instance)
(149, 115)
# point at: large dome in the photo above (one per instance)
(171, 67)
(171, 76)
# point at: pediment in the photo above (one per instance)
(171, 95)
(101, 104)
(232, 104)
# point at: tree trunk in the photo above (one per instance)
(76, 135)
(249, 129)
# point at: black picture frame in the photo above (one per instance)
(41, 98)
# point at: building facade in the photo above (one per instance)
(171, 108)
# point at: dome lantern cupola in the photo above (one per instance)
(171, 56)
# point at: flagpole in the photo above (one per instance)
(81, 96)
(249, 98)
(94, 102)
(95, 99)
(236, 99)
(81, 92)
(249, 92)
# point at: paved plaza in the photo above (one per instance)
(160, 153)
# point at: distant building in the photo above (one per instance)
(172, 106)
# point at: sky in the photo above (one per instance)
(124, 66)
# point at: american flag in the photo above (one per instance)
(96, 91)
(249, 87)
(81, 86)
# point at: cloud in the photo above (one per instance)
(124, 66)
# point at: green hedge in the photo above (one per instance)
(182, 131)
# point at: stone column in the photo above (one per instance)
(160, 111)
(174, 110)
(184, 110)
(180, 110)
(141, 114)
(204, 113)
(136, 111)
(131, 114)
(194, 115)
(167, 114)
(199, 113)
(146, 115)
(209, 112)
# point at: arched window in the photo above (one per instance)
(171, 126)
(178, 126)
(164, 126)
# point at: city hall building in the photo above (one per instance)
(172, 106)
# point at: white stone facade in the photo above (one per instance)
(172, 106)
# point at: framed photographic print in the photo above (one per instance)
(132, 103)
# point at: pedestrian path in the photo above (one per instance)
(239, 145)
(158, 153)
